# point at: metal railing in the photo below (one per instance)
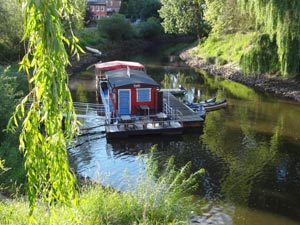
(82, 109)
(105, 102)
(173, 113)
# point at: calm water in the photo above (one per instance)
(250, 150)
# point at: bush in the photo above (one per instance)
(13, 178)
(13, 85)
(91, 37)
(115, 28)
(149, 29)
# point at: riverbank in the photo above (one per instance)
(285, 88)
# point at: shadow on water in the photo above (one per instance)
(250, 150)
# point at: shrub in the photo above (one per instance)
(149, 29)
(116, 28)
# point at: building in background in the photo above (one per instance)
(103, 8)
(113, 6)
(98, 8)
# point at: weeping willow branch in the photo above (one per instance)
(281, 20)
(50, 123)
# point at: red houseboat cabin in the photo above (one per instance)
(128, 89)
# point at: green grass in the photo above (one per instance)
(91, 37)
(160, 197)
(228, 47)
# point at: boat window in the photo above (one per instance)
(143, 95)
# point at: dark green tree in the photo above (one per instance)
(150, 28)
(124, 7)
(150, 9)
(132, 11)
(115, 28)
(11, 30)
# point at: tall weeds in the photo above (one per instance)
(160, 196)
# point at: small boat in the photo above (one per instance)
(93, 50)
(210, 106)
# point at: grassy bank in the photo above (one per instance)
(225, 48)
(160, 197)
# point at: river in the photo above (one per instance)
(250, 150)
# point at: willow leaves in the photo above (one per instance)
(50, 123)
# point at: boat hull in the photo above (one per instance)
(215, 105)
(137, 132)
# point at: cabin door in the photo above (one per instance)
(124, 102)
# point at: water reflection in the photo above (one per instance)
(250, 150)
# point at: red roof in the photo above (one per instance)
(114, 65)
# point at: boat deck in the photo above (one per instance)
(143, 127)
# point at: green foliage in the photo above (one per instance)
(13, 178)
(226, 17)
(183, 16)
(281, 20)
(50, 123)
(150, 28)
(124, 7)
(262, 57)
(160, 197)
(11, 30)
(115, 28)
(140, 9)
(167, 82)
(150, 9)
(91, 37)
(13, 85)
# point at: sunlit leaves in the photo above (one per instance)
(183, 16)
(45, 131)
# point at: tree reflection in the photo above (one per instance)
(245, 163)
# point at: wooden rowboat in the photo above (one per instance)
(208, 105)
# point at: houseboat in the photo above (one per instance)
(133, 102)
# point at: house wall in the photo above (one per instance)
(103, 8)
(134, 104)
(113, 4)
(99, 10)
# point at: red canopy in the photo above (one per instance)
(114, 65)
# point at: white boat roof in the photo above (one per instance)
(114, 65)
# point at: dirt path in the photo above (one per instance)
(276, 85)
